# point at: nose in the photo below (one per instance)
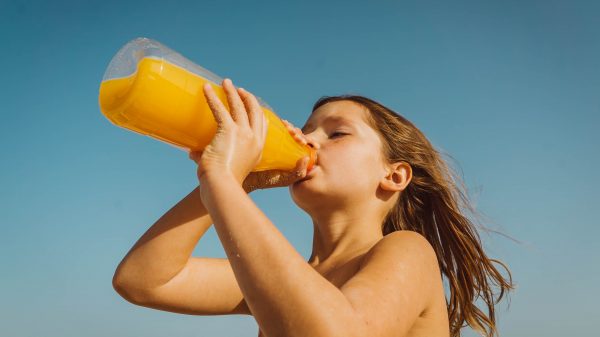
(312, 143)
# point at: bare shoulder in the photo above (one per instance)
(398, 282)
(398, 246)
(407, 255)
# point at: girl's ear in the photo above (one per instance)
(397, 178)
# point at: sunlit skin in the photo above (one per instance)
(351, 189)
(356, 282)
(346, 194)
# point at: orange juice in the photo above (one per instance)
(166, 102)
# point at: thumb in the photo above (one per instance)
(301, 167)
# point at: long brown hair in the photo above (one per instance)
(435, 204)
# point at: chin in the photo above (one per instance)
(306, 192)
(310, 196)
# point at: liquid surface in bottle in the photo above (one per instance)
(166, 102)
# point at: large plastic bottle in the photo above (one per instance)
(152, 90)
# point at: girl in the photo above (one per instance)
(387, 218)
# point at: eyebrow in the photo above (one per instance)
(326, 120)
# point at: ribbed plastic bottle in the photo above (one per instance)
(152, 90)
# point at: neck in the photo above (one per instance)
(343, 234)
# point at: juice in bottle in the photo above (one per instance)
(152, 90)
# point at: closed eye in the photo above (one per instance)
(337, 134)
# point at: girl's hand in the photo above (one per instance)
(240, 137)
(273, 178)
(279, 178)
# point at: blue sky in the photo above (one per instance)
(507, 88)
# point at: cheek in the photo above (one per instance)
(355, 167)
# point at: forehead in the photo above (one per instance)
(338, 111)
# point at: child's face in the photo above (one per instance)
(349, 158)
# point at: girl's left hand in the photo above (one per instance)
(238, 143)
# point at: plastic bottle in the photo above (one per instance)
(152, 90)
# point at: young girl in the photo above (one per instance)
(388, 225)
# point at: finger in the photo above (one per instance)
(288, 126)
(300, 139)
(298, 135)
(302, 166)
(236, 106)
(217, 108)
(295, 132)
(256, 116)
(298, 172)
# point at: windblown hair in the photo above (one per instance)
(435, 204)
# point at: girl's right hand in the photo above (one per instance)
(274, 178)
(279, 178)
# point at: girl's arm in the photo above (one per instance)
(165, 248)
(159, 271)
(284, 293)
(288, 297)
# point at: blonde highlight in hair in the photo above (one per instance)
(435, 204)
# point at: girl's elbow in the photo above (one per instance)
(129, 290)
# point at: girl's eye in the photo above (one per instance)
(337, 134)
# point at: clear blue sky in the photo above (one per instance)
(509, 88)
